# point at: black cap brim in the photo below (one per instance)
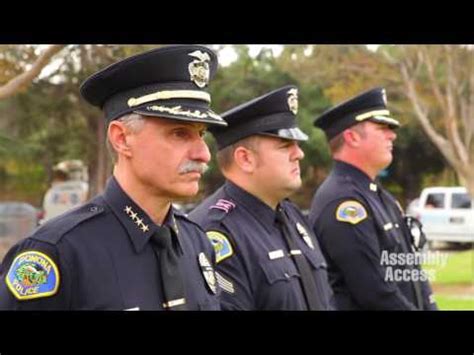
(391, 122)
(294, 134)
(183, 113)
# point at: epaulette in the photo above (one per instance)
(53, 230)
(184, 216)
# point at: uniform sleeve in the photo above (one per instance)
(354, 248)
(232, 275)
(32, 277)
(429, 303)
(428, 297)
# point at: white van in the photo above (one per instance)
(447, 214)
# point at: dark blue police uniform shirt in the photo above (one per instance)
(254, 269)
(99, 257)
(355, 224)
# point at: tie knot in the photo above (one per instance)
(162, 237)
(280, 216)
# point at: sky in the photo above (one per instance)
(228, 55)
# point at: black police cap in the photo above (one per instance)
(273, 114)
(165, 82)
(370, 105)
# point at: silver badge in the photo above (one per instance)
(302, 231)
(384, 96)
(199, 68)
(293, 100)
(208, 272)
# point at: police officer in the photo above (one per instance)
(267, 257)
(128, 249)
(360, 226)
(67, 190)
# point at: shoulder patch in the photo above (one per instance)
(351, 212)
(221, 245)
(53, 230)
(32, 275)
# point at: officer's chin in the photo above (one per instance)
(294, 186)
(387, 161)
(188, 189)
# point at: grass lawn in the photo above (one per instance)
(452, 279)
(459, 269)
(454, 303)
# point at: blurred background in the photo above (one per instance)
(53, 154)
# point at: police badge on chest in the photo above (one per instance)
(208, 272)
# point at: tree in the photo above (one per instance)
(80, 62)
(20, 81)
(439, 82)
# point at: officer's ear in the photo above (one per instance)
(245, 159)
(352, 137)
(118, 136)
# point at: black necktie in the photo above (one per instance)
(306, 276)
(171, 278)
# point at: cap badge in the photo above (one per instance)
(384, 96)
(199, 68)
(293, 100)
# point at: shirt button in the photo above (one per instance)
(286, 275)
(94, 209)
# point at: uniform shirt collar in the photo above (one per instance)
(359, 177)
(253, 204)
(135, 220)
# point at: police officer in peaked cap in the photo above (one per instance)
(267, 255)
(360, 226)
(128, 248)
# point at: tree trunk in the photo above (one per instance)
(24, 79)
(100, 165)
(448, 134)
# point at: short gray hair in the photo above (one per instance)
(134, 122)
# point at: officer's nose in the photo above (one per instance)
(298, 153)
(200, 151)
(392, 135)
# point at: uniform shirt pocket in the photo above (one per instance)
(281, 269)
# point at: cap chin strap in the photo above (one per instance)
(170, 94)
(366, 115)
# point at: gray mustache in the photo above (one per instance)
(193, 166)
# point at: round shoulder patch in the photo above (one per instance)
(221, 245)
(351, 212)
(32, 275)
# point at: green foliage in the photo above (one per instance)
(50, 122)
